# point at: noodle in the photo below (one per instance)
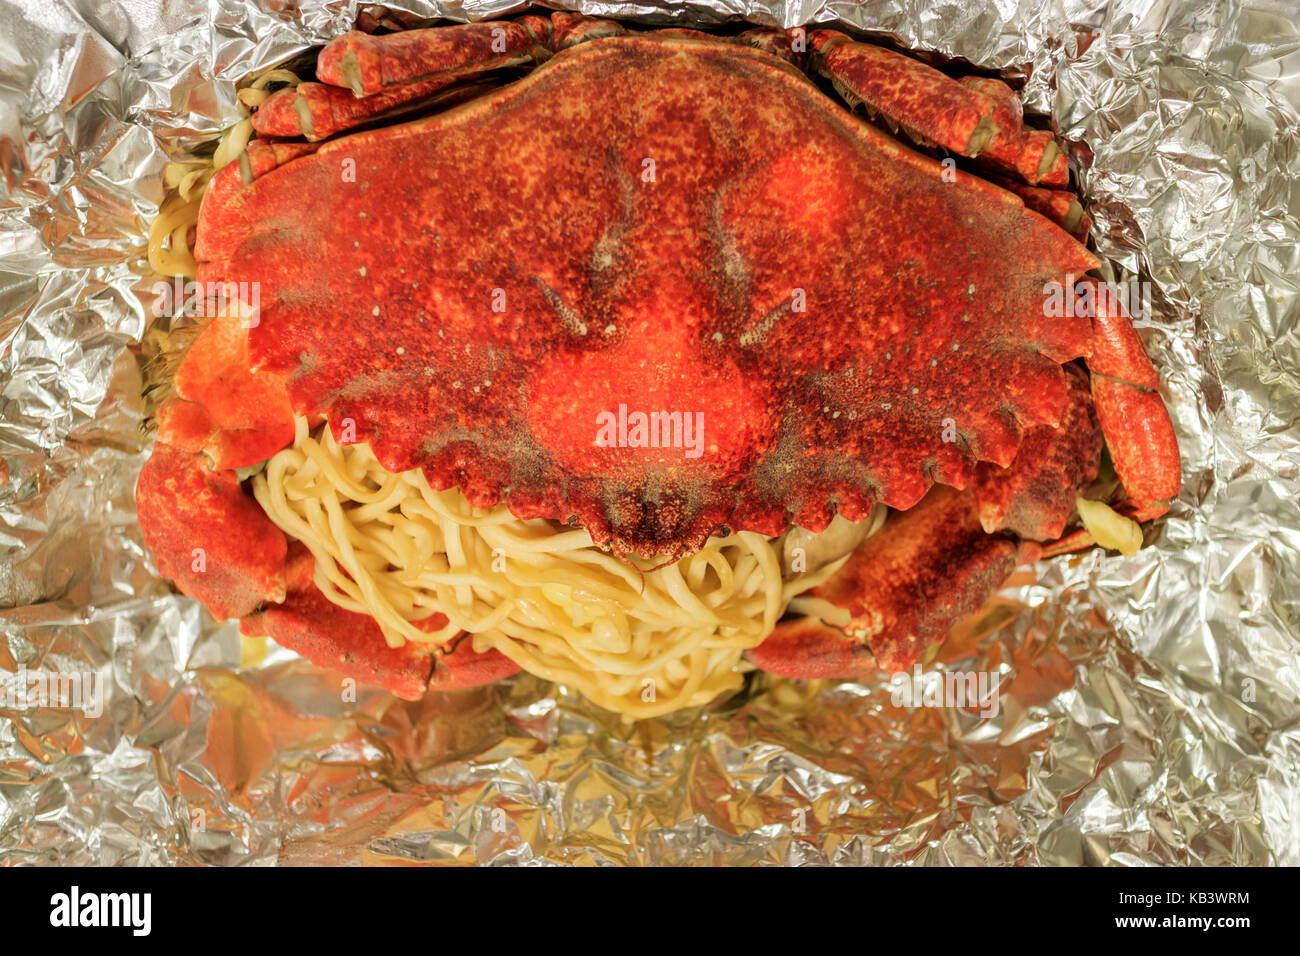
(636, 639)
(169, 250)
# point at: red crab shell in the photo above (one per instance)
(662, 222)
(676, 294)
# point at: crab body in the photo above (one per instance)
(810, 318)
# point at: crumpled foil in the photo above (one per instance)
(1149, 706)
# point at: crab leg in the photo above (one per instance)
(975, 117)
(1032, 154)
(1126, 395)
(772, 41)
(900, 592)
(932, 565)
(316, 110)
(367, 78)
(570, 29)
(329, 636)
(1061, 206)
(1133, 418)
(214, 540)
(368, 64)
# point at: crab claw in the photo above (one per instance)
(900, 592)
(340, 640)
(331, 637)
(234, 416)
(1034, 496)
(1126, 394)
(209, 537)
(465, 667)
(807, 648)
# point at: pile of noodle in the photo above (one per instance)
(633, 638)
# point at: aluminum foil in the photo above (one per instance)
(1148, 706)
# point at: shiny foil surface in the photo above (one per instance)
(1149, 706)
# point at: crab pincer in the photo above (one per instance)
(207, 535)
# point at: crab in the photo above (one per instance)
(657, 219)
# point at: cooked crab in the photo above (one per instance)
(665, 224)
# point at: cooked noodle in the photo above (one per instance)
(634, 640)
(169, 249)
